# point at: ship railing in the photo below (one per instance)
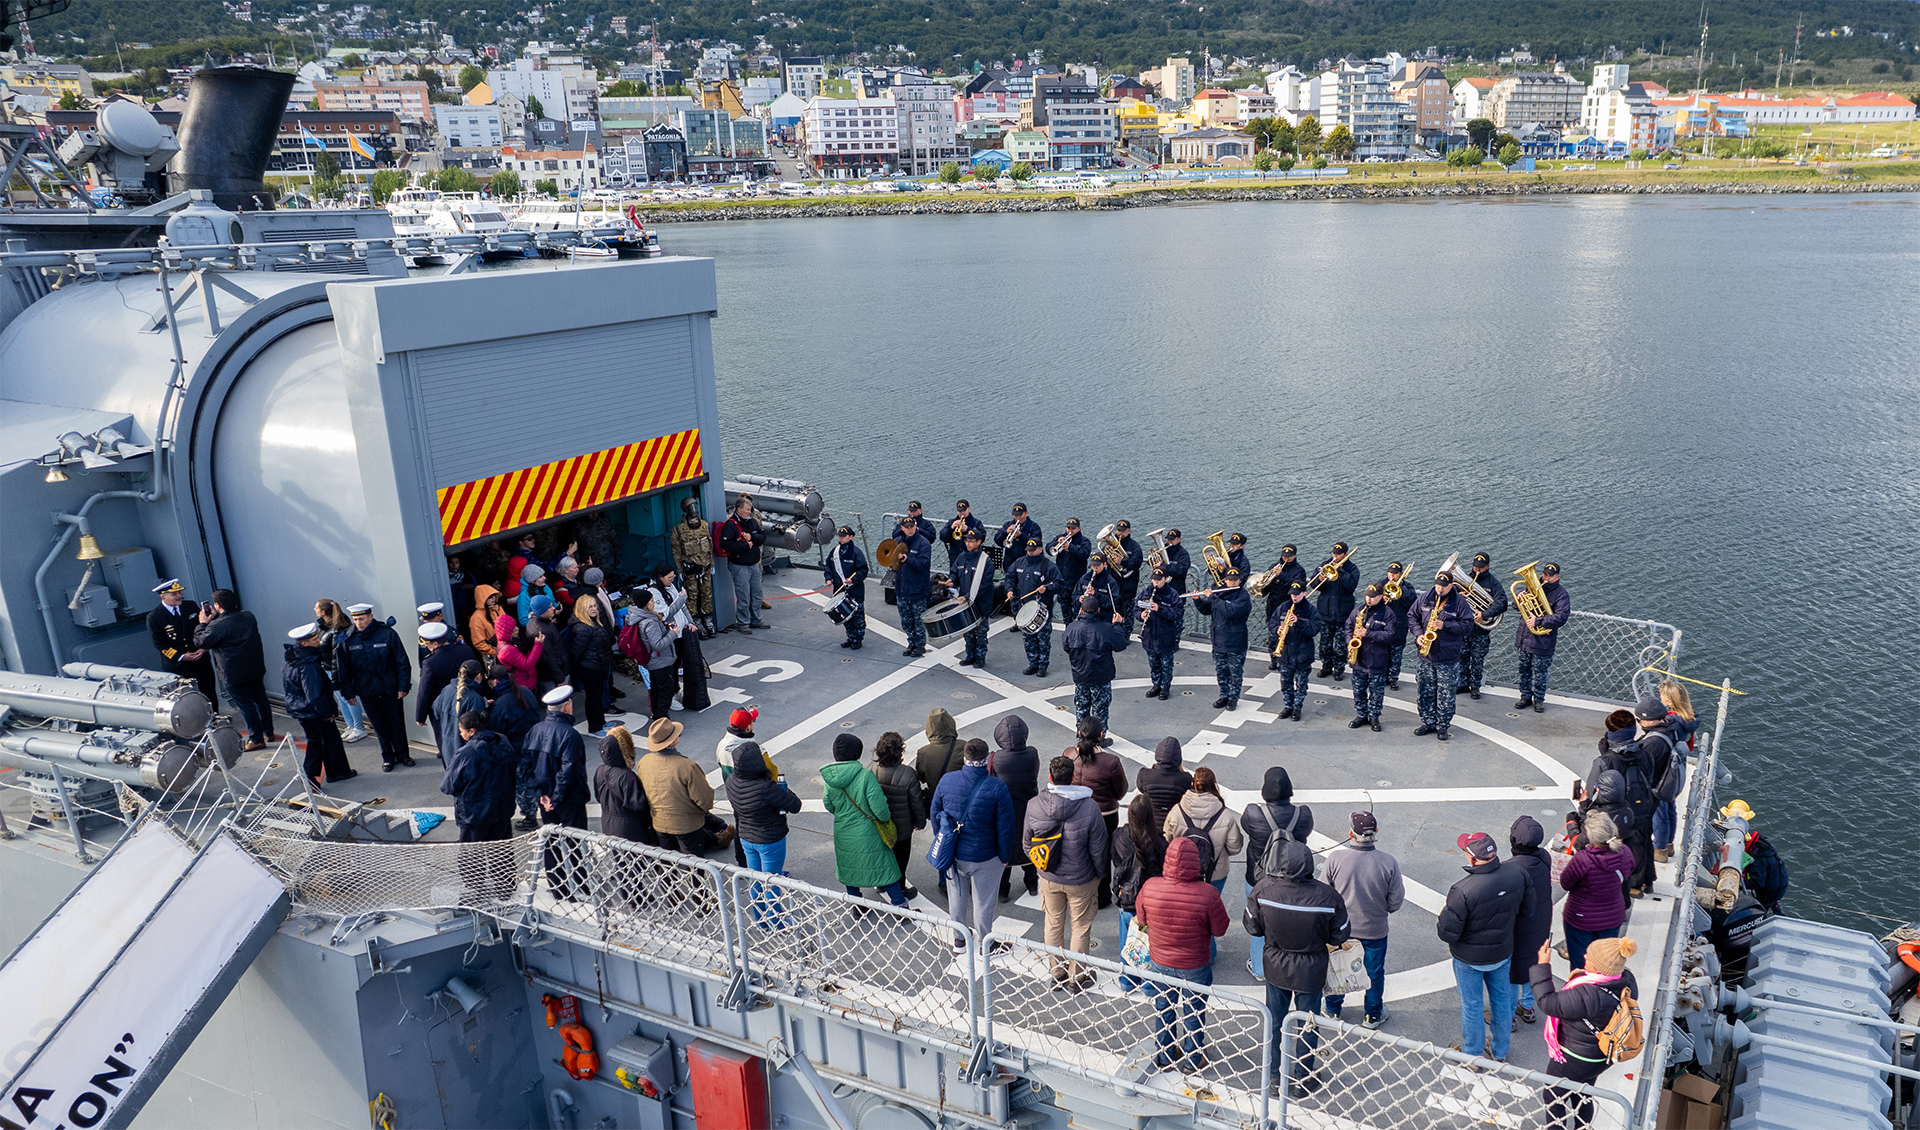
(1596, 654)
(26, 267)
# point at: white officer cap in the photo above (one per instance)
(359, 609)
(169, 586)
(303, 631)
(430, 608)
(434, 631)
(558, 696)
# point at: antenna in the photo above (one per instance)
(1700, 61)
(1799, 25)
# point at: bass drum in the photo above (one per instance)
(948, 619)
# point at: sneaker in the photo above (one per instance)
(1377, 1021)
(1526, 1014)
(909, 891)
(999, 946)
(959, 945)
(353, 734)
(1250, 971)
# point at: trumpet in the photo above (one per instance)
(1004, 537)
(1059, 545)
(1394, 590)
(1214, 553)
(1530, 597)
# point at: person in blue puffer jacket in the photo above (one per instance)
(982, 806)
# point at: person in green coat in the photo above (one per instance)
(854, 796)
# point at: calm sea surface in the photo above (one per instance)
(1708, 411)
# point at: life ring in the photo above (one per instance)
(576, 1051)
(1909, 952)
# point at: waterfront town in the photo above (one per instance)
(548, 117)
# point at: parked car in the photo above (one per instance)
(1671, 165)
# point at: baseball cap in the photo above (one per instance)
(1171, 534)
(1340, 547)
(1550, 569)
(1482, 559)
(1396, 567)
(1236, 539)
(1373, 590)
(1477, 844)
(743, 719)
(1019, 508)
(1231, 574)
(1289, 551)
(1364, 822)
(1650, 710)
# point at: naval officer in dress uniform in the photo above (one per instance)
(171, 625)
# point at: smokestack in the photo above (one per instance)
(227, 134)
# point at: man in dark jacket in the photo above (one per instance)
(308, 695)
(1013, 537)
(1477, 925)
(1229, 607)
(1287, 572)
(973, 580)
(552, 669)
(1370, 669)
(1179, 562)
(233, 637)
(1164, 781)
(982, 806)
(1066, 815)
(1336, 600)
(1473, 659)
(445, 654)
(1276, 813)
(847, 573)
(1033, 580)
(376, 672)
(1017, 764)
(1091, 641)
(1536, 651)
(760, 808)
(1099, 581)
(1132, 558)
(953, 534)
(624, 811)
(560, 778)
(1295, 658)
(1163, 615)
(1534, 924)
(913, 585)
(1397, 646)
(479, 777)
(171, 624)
(913, 511)
(740, 538)
(1440, 666)
(1298, 917)
(515, 711)
(1071, 559)
(1237, 554)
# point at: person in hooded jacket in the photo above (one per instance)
(1229, 607)
(1103, 774)
(1183, 916)
(514, 713)
(1018, 764)
(1296, 654)
(1576, 1012)
(1594, 880)
(1372, 888)
(1091, 641)
(308, 696)
(760, 808)
(1608, 794)
(465, 694)
(1163, 615)
(941, 755)
(980, 804)
(533, 583)
(1067, 816)
(479, 778)
(1164, 782)
(856, 800)
(624, 811)
(906, 801)
(519, 650)
(1534, 924)
(1138, 853)
(1275, 811)
(1477, 925)
(487, 607)
(1298, 917)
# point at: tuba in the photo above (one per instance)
(1478, 599)
(1110, 548)
(1214, 553)
(1157, 550)
(1530, 596)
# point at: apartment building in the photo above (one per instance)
(1470, 99)
(1360, 97)
(927, 119)
(1423, 89)
(805, 73)
(572, 169)
(407, 99)
(1079, 124)
(1295, 95)
(851, 137)
(1027, 145)
(1251, 104)
(466, 127)
(1176, 80)
(1548, 98)
(1215, 107)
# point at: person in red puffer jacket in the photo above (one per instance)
(1182, 914)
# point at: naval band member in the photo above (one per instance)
(1473, 660)
(1228, 607)
(1071, 553)
(913, 584)
(1536, 651)
(1439, 670)
(847, 569)
(1295, 658)
(973, 580)
(1376, 620)
(1179, 562)
(1336, 603)
(1396, 647)
(171, 625)
(1032, 579)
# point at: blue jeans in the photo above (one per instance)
(1525, 997)
(771, 858)
(1533, 676)
(1257, 949)
(1664, 821)
(1490, 982)
(1127, 984)
(1375, 957)
(1160, 668)
(1279, 1003)
(1579, 940)
(355, 718)
(1179, 1017)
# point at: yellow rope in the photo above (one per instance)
(1684, 679)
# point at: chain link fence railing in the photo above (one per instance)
(335, 878)
(671, 907)
(1339, 1074)
(1199, 1047)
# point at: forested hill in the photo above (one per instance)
(1119, 35)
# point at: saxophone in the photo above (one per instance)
(1286, 625)
(1359, 633)
(1433, 626)
(1530, 596)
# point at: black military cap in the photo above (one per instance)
(1236, 539)
(1396, 567)
(845, 531)
(1297, 588)
(1340, 547)
(1158, 571)
(1288, 550)
(973, 535)
(1033, 543)
(1482, 559)
(1173, 535)
(1373, 590)
(1550, 570)
(1231, 575)
(1019, 508)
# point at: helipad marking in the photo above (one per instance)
(745, 667)
(1208, 743)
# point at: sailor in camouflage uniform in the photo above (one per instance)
(1439, 670)
(692, 543)
(1473, 660)
(1032, 579)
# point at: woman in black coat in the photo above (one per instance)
(1017, 764)
(1576, 1012)
(1138, 853)
(590, 652)
(623, 803)
(1534, 925)
(906, 801)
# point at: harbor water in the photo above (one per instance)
(1705, 409)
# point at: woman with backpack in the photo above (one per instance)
(1202, 813)
(1579, 1013)
(1139, 850)
(648, 641)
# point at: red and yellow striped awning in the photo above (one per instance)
(489, 506)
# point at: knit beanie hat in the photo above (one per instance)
(846, 747)
(1608, 956)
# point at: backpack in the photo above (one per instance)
(1270, 858)
(1639, 791)
(1622, 1038)
(1668, 787)
(1043, 851)
(1203, 841)
(946, 831)
(719, 547)
(634, 646)
(1766, 872)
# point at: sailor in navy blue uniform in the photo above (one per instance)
(1370, 670)
(1179, 562)
(953, 534)
(973, 581)
(1100, 582)
(1013, 537)
(1032, 579)
(914, 512)
(1162, 612)
(1228, 606)
(1296, 654)
(847, 571)
(1473, 660)
(1396, 647)
(1128, 572)
(1237, 554)
(1280, 591)
(913, 584)
(1536, 651)
(1336, 601)
(171, 625)
(1439, 670)
(1070, 555)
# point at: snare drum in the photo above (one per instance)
(1033, 618)
(948, 618)
(842, 608)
